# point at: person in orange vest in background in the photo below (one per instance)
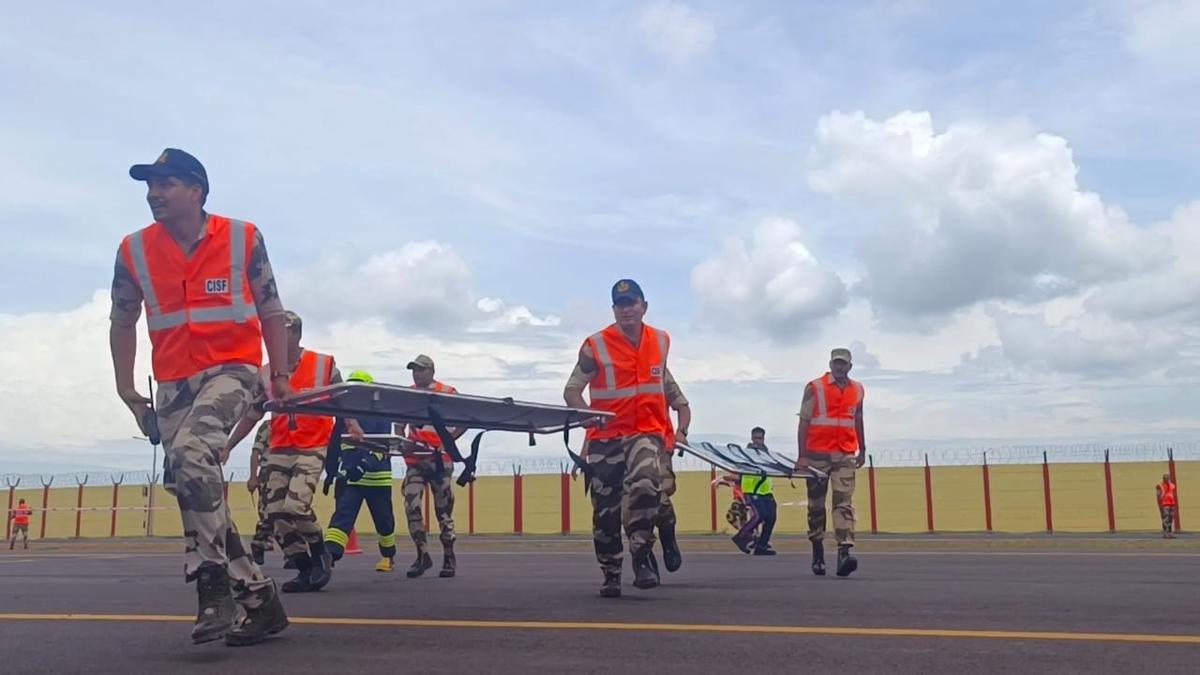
(624, 368)
(210, 301)
(295, 459)
(436, 471)
(830, 438)
(1167, 503)
(20, 522)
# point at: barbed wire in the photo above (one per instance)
(884, 457)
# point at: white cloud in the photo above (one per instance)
(1087, 344)
(56, 382)
(973, 213)
(774, 286)
(677, 31)
(1163, 33)
(498, 317)
(424, 286)
(1171, 286)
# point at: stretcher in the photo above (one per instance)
(443, 411)
(750, 461)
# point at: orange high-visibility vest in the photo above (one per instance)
(200, 310)
(832, 427)
(629, 383)
(21, 515)
(1168, 494)
(311, 432)
(427, 434)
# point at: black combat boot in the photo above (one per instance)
(423, 562)
(611, 588)
(846, 562)
(217, 608)
(644, 576)
(818, 558)
(303, 581)
(260, 622)
(258, 555)
(449, 563)
(672, 557)
(322, 568)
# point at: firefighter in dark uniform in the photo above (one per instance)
(362, 475)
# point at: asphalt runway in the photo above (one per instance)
(527, 605)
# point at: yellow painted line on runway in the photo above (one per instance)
(656, 627)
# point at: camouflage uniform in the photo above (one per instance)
(418, 475)
(625, 486)
(195, 417)
(841, 468)
(291, 483)
(263, 535)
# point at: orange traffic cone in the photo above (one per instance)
(352, 545)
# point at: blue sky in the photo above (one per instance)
(980, 196)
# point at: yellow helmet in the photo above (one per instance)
(360, 376)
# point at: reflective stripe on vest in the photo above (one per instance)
(21, 515)
(630, 385)
(186, 332)
(1168, 494)
(311, 432)
(833, 427)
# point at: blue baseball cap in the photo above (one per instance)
(172, 162)
(627, 289)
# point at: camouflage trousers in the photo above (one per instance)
(625, 486)
(195, 417)
(441, 484)
(666, 478)
(841, 469)
(1168, 518)
(291, 481)
(264, 535)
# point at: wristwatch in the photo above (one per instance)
(275, 374)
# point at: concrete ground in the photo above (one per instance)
(917, 604)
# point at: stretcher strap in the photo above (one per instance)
(450, 445)
(577, 459)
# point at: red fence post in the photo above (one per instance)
(712, 498)
(928, 495)
(12, 490)
(79, 502)
(1108, 494)
(1046, 492)
(1171, 470)
(987, 495)
(471, 507)
(45, 504)
(518, 502)
(871, 490)
(565, 503)
(112, 528)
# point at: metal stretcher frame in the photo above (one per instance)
(392, 445)
(750, 461)
(442, 410)
(399, 403)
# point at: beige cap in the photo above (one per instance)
(840, 354)
(421, 361)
